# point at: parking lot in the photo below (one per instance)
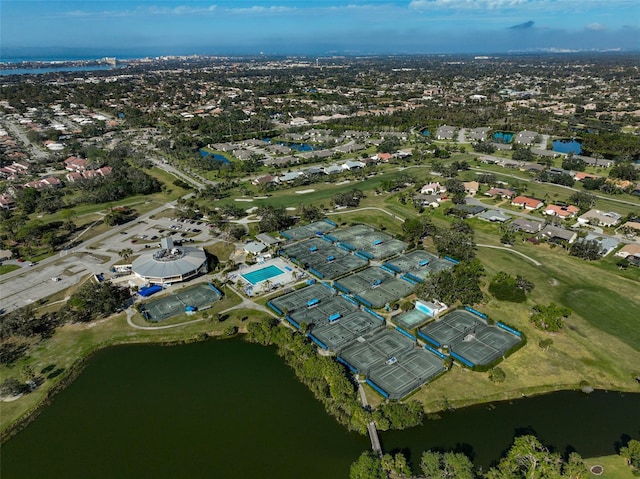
(73, 265)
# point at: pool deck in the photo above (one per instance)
(291, 273)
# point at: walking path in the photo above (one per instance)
(537, 263)
(371, 427)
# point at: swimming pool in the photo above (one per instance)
(262, 274)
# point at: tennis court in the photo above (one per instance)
(174, 304)
(299, 298)
(414, 261)
(411, 319)
(452, 327)
(307, 231)
(376, 286)
(486, 345)
(375, 243)
(406, 372)
(370, 351)
(323, 259)
(470, 337)
(321, 311)
(419, 263)
(340, 333)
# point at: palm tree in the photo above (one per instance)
(125, 253)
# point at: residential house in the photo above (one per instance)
(501, 192)
(632, 225)
(621, 184)
(527, 226)
(384, 157)
(471, 187)
(265, 180)
(353, 165)
(433, 189)
(532, 167)
(607, 244)
(581, 175)
(632, 249)
(7, 202)
(406, 153)
(636, 190)
(596, 161)
(15, 169)
(433, 201)
(526, 137)
(600, 218)
(468, 211)
(293, 175)
(88, 174)
(48, 182)
(478, 134)
(527, 203)
(494, 216)
(506, 163)
(560, 211)
(333, 170)
(556, 234)
(74, 163)
(445, 133)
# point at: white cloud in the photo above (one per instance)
(466, 4)
(529, 5)
(142, 11)
(181, 10)
(596, 27)
(260, 10)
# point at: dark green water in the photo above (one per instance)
(229, 409)
(218, 409)
(592, 424)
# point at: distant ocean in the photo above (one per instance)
(53, 69)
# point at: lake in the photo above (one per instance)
(230, 409)
(567, 145)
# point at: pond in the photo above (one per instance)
(213, 156)
(567, 145)
(503, 136)
(234, 410)
(297, 146)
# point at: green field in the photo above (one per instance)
(7, 268)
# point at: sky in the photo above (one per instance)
(32, 28)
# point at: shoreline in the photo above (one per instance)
(430, 409)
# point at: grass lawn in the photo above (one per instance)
(7, 268)
(614, 467)
(222, 250)
(142, 203)
(600, 343)
(71, 343)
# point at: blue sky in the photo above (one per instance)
(155, 27)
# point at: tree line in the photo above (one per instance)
(527, 458)
(329, 381)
